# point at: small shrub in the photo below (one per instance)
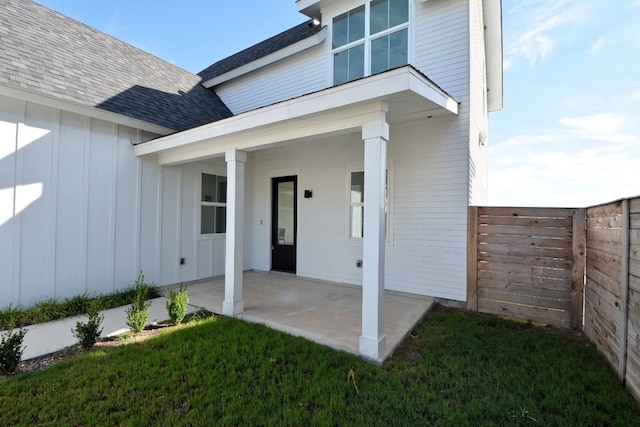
(138, 313)
(177, 304)
(88, 333)
(11, 350)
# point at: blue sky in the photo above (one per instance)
(569, 133)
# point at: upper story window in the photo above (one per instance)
(370, 39)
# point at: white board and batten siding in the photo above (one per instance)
(80, 213)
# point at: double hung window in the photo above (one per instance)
(213, 204)
(370, 39)
(356, 204)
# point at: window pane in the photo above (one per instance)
(221, 189)
(286, 209)
(398, 48)
(398, 12)
(356, 62)
(213, 219)
(389, 51)
(379, 20)
(220, 216)
(208, 188)
(356, 24)
(214, 188)
(388, 13)
(357, 187)
(340, 30)
(348, 27)
(341, 67)
(380, 55)
(207, 219)
(357, 221)
(348, 65)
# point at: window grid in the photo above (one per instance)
(343, 75)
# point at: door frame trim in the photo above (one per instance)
(273, 231)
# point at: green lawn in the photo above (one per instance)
(456, 369)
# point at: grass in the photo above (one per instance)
(54, 308)
(455, 369)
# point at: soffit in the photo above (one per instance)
(404, 94)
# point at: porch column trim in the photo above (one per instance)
(376, 136)
(233, 303)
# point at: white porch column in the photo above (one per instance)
(375, 135)
(233, 303)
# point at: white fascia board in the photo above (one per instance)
(426, 89)
(83, 110)
(361, 92)
(279, 55)
(492, 11)
(312, 8)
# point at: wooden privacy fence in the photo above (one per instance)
(521, 263)
(612, 289)
(577, 268)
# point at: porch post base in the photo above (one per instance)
(373, 348)
(231, 308)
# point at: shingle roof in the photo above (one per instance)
(264, 48)
(48, 53)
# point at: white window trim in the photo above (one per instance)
(209, 170)
(359, 167)
(368, 38)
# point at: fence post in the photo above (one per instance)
(624, 293)
(578, 273)
(472, 258)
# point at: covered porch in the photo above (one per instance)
(324, 312)
(365, 108)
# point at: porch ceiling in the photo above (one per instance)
(404, 94)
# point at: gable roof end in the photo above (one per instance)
(49, 54)
(260, 50)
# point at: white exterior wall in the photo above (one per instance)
(478, 149)
(80, 213)
(426, 248)
(302, 73)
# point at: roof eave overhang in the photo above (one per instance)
(492, 10)
(404, 92)
(279, 55)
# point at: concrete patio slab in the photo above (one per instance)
(324, 312)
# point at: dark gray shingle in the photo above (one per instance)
(264, 48)
(46, 52)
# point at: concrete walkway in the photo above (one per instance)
(327, 313)
(46, 338)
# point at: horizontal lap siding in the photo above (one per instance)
(300, 74)
(524, 263)
(603, 297)
(633, 325)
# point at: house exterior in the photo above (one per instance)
(344, 149)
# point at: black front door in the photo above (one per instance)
(284, 223)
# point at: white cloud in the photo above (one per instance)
(608, 127)
(597, 45)
(538, 19)
(589, 160)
